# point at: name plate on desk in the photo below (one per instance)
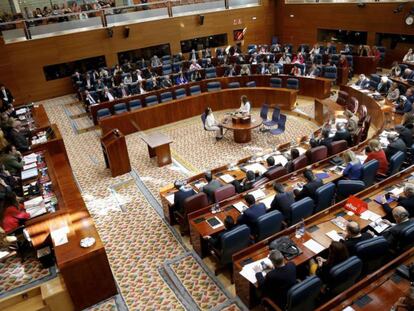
(241, 119)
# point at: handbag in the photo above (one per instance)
(286, 246)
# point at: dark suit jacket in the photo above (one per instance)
(343, 135)
(352, 242)
(394, 147)
(250, 215)
(179, 198)
(210, 188)
(277, 283)
(19, 140)
(393, 235)
(309, 189)
(9, 97)
(407, 136)
(407, 203)
(282, 203)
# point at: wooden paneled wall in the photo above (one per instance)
(21, 64)
(298, 23)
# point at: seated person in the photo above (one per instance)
(181, 79)
(270, 161)
(395, 144)
(375, 152)
(215, 240)
(11, 159)
(353, 236)
(245, 70)
(406, 200)
(90, 99)
(212, 185)
(310, 188)
(352, 125)
(337, 253)
(107, 96)
(250, 215)
(353, 169)
(17, 137)
(409, 57)
(212, 125)
(294, 153)
(184, 192)
(279, 280)
(342, 133)
(403, 105)
(405, 134)
(395, 71)
(393, 234)
(244, 105)
(12, 214)
(246, 183)
(393, 92)
(382, 87)
(362, 82)
(282, 200)
(408, 74)
(230, 71)
(324, 140)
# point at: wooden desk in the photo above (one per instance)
(54, 143)
(308, 86)
(40, 117)
(365, 64)
(159, 146)
(342, 76)
(242, 131)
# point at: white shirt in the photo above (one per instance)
(245, 107)
(110, 97)
(210, 122)
(5, 95)
(91, 99)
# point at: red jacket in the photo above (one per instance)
(12, 217)
(382, 159)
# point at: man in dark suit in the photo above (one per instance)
(212, 185)
(122, 91)
(184, 192)
(342, 133)
(404, 105)
(90, 99)
(405, 134)
(310, 188)
(17, 138)
(363, 82)
(6, 96)
(395, 144)
(270, 161)
(406, 201)
(215, 241)
(282, 200)
(383, 86)
(394, 234)
(279, 280)
(354, 236)
(254, 211)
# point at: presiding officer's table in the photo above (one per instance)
(159, 146)
(242, 127)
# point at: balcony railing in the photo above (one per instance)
(35, 28)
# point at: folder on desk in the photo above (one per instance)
(29, 166)
(255, 167)
(30, 158)
(30, 173)
(227, 178)
(258, 194)
(280, 159)
(240, 206)
(268, 201)
(313, 246)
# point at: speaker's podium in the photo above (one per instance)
(115, 153)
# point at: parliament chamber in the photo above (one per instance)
(207, 155)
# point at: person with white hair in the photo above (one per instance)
(393, 92)
(409, 57)
(403, 105)
(395, 144)
(383, 86)
(394, 234)
(342, 133)
(405, 200)
(362, 82)
(408, 74)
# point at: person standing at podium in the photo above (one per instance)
(244, 105)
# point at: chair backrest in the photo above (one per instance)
(324, 197)
(350, 60)
(300, 210)
(251, 84)
(292, 83)
(281, 123)
(335, 59)
(347, 187)
(120, 108)
(224, 193)
(267, 225)
(210, 72)
(275, 82)
(166, 69)
(135, 104)
(369, 171)
(233, 241)
(337, 147)
(372, 252)
(343, 275)
(180, 93)
(276, 114)
(195, 89)
(300, 162)
(356, 137)
(213, 86)
(374, 80)
(343, 98)
(166, 96)
(395, 162)
(103, 113)
(233, 85)
(366, 126)
(407, 237)
(303, 295)
(263, 111)
(203, 119)
(195, 203)
(352, 104)
(151, 100)
(317, 154)
(330, 72)
(276, 172)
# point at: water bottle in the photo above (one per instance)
(302, 228)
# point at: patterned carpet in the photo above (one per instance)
(138, 242)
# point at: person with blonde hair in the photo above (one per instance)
(3, 141)
(375, 152)
(353, 169)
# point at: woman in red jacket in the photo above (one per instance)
(12, 214)
(375, 152)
